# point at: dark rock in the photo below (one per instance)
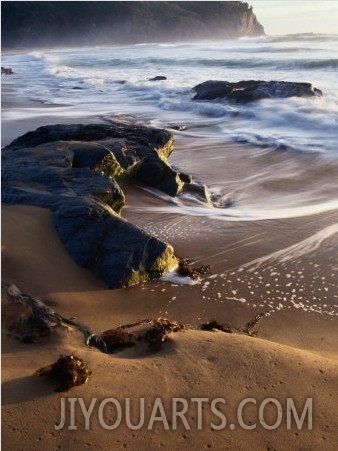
(74, 170)
(251, 90)
(6, 71)
(53, 167)
(212, 89)
(200, 192)
(31, 319)
(119, 151)
(158, 78)
(43, 175)
(158, 140)
(156, 173)
(178, 127)
(96, 341)
(122, 152)
(186, 178)
(116, 251)
(32, 329)
(222, 200)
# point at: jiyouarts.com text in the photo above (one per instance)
(192, 413)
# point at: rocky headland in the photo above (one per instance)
(36, 24)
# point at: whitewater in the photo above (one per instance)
(284, 150)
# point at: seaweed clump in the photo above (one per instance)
(157, 334)
(214, 325)
(117, 339)
(253, 322)
(186, 270)
(68, 370)
(114, 340)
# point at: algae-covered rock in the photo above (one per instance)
(118, 252)
(75, 171)
(44, 175)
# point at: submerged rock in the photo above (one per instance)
(158, 78)
(251, 90)
(7, 71)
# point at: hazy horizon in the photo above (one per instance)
(297, 16)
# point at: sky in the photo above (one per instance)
(297, 16)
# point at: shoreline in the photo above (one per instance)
(292, 346)
(12, 128)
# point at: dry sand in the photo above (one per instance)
(294, 354)
(194, 364)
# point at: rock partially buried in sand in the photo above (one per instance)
(68, 370)
(29, 319)
(75, 171)
(251, 90)
(31, 330)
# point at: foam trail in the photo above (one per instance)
(295, 251)
(236, 213)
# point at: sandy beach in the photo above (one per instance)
(276, 264)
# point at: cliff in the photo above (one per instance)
(36, 24)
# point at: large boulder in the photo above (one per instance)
(251, 90)
(118, 151)
(159, 140)
(44, 175)
(75, 171)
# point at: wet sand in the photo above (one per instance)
(286, 269)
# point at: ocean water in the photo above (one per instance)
(284, 162)
(274, 159)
